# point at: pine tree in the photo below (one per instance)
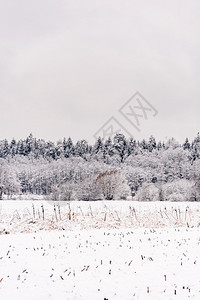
(68, 147)
(5, 149)
(195, 153)
(120, 146)
(107, 151)
(131, 146)
(21, 147)
(186, 145)
(143, 145)
(29, 144)
(13, 147)
(98, 146)
(81, 148)
(151, 144)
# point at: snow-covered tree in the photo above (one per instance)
(178, 190)
(9, 184)
(151, 144)
(186, 145)
(112, 185)
(148, 192)
(120, 146)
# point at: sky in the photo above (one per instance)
(67, 67)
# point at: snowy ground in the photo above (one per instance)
(123, 250)
(31, 216)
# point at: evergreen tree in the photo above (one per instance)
(6, 149)
(120, 146)
(143, 145)
(131, 146)
(98, 146)
(29, 144)
(13, 147)
(151, 144)
(195, 153)
(186, 145)
(108, 151)
(21, 147)
(81, 148)
(68, 147)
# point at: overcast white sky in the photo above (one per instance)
(67, 66)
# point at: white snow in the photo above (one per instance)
(150, 255)
(27, 216)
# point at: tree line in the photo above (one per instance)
(110, 169)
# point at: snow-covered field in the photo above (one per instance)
(99, 250)
(31, 216)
